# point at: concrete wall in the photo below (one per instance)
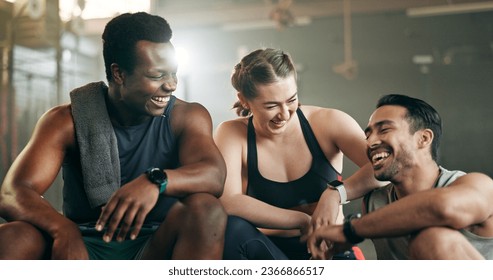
(458, 83)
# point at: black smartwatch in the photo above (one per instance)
(158, 177)
(348, 230)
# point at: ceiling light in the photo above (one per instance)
(450, 9)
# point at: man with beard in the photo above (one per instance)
(427, 211)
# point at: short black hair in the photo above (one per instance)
(420, 115)
(122, 33)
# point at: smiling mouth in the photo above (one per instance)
(279, 123)
(378, 158)
(160, 101)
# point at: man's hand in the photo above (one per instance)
(68, 245)
(127, 208)
(326, 212)
(326, 241)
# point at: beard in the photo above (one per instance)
(403, 160)
(388, 173)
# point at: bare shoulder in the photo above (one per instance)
(327, 117)
(190, 115)
(316, 112)
(475, 178)
(184, 110)
(60, 113)
(59, 116)
(235, 127)
(57, 122)
(231, 135)
(189, 107)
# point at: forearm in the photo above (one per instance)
(27, 205)
(362, 182)
(328, 208)
(356, 186)
(264, 215)
(403, 217)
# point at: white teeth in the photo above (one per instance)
(161, 98)
(279, 122)
(380, 156)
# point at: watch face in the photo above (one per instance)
(157, 176)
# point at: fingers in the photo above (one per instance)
(134, 219)
(139, 221)
(320, 222)
(126, 223)
(323, 250)
(319, 247)
(126, 210)
(114, 222)
(124, 218)
(313, 247)
(106, 212)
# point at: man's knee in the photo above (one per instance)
(20, 231)
(20, 240)
(436, 243)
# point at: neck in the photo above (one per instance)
(418, 179)
(119, 113)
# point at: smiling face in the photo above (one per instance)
(147, 89)
(391, 147)
(274, 105)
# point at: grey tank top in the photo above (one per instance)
(396, 248)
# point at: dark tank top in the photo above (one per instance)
(304, 190)
(150, 144)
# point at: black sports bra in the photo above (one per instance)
(304, 190)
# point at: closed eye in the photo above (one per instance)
(162, 75)
(292, 101)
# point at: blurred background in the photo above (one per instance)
(347, 52)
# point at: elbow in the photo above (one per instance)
(448, 212)
(5, 197)
(229, 203)
(219, 180)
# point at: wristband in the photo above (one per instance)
(339, 187)
(348, 230)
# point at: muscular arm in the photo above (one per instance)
(466, 202)
(202, 168)
(346, 135)
(230, 138)
(33, 172)
(349, 138)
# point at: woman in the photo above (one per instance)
(280, 155)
